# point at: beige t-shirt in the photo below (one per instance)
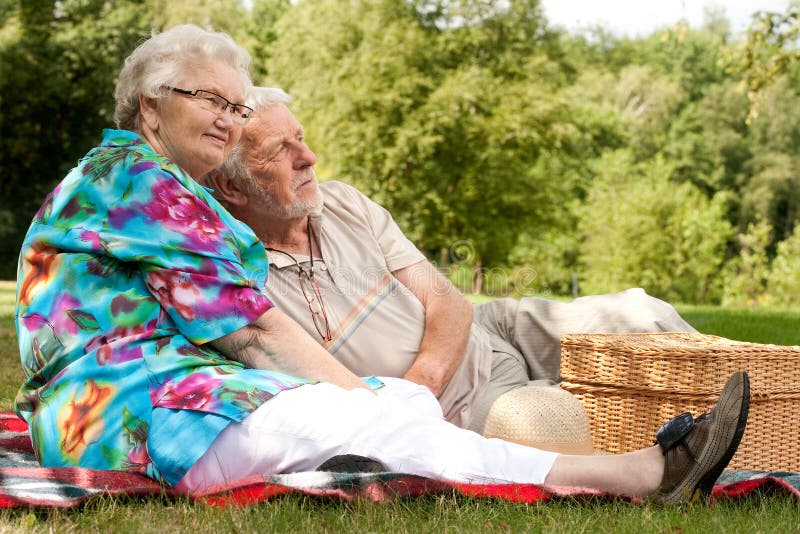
(376, 322)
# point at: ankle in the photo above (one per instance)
(652, 469)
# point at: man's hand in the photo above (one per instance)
(448, 319)
(276, 343)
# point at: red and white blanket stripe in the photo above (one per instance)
(24, 483)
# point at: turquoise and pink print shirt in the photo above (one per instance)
(128, 270)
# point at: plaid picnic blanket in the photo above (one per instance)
(24, 483)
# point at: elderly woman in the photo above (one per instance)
(135, 287)
(149, 346)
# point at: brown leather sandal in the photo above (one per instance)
(696, 450)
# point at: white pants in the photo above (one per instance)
(402, 427)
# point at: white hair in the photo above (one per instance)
(264, 97)
(234, 166)
(163, 58)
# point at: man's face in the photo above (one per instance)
(281, 164)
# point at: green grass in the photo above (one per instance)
(781, 327)
(7, 290)
(434, 514)
(12, 375)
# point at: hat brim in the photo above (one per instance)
(548, 418)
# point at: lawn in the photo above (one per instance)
(438, 514)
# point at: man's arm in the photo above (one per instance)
(448, 319)
(276, 343)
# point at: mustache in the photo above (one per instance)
(304, 176)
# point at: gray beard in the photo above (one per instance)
(295, 210)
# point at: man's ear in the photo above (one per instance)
(228, 190)
(148, 109)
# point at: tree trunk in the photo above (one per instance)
(477, 277)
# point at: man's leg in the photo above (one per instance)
(508, 373)
(535, 325)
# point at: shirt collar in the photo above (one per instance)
(281, 261)
(127, 138)
(113, 137)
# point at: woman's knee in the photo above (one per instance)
(411, 396)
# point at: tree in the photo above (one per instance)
(261, 33)
(783, 280)
(708, 144)
(771, 191)
(746, 275)
(641, 229)
(229, 16)
(773, 194)
(770, 48)
(695, 59)
(641, 99)
(58, 61)
(447, 113)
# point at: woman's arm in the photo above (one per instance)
(276, 343)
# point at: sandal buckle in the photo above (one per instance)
(674, 430)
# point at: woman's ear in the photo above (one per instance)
(148, 109)
(226, 189)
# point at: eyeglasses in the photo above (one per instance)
(216, 103)
(310, 288)
(313, 296)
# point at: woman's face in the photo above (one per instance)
(189, 132)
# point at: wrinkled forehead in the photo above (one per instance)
(271, 125)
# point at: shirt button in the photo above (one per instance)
(323, 267)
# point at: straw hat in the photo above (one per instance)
(545, 417)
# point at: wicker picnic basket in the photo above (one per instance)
(630, 384)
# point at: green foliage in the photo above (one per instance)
(783, 281)
(544, 263)
(447, 113)
(769, 49)
(58, 61)
(746, 275)
(708, 141)
(641, 100)
(695, 59)
(221, 15)
(773, 192)
(473, 121)
(260, 28)
(641, 229)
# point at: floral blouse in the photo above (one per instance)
(128, 270)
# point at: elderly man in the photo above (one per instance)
(341, 267)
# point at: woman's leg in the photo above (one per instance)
(690, 455)
(301, 428)
(635, 474)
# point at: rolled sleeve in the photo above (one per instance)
(399, 252)
(205, 308)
